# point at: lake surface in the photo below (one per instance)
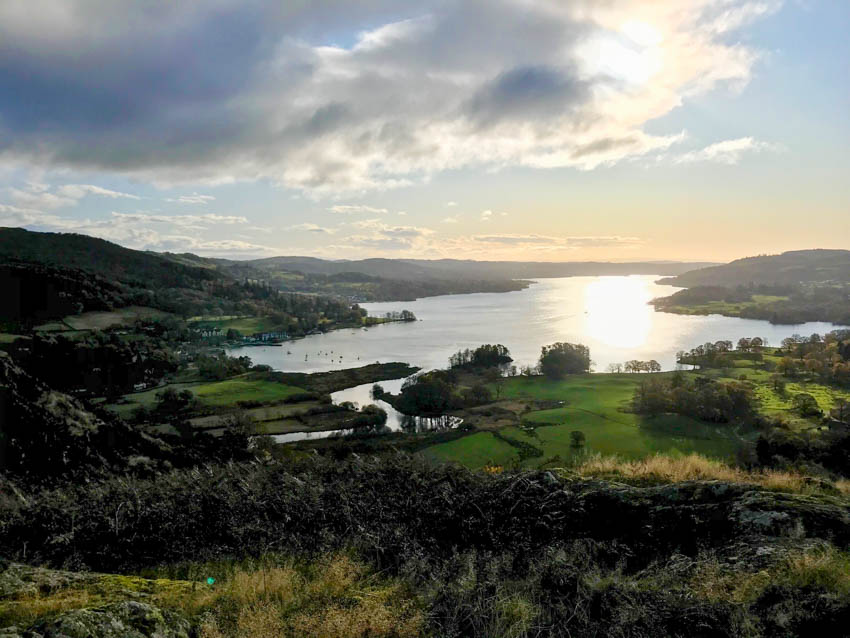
(610, 315)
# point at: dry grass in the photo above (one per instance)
(661, 468)
(26, 610)
(825, 568)
(334, 598)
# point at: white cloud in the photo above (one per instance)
(78, 191)
(352, 209)
(387, 237)
(141, 230)
(39, 199)
(725, 152)
(188, 221)
(39, 196)
(450, 220)
(313, 228)
(486, 215)
(558, 241)
(194, 198)
(451, 204)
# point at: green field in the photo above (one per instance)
(726, 308)
(228, 392)
(122, 316)
(772, 403)
(245, 325)
(213, 394)
(594, 405)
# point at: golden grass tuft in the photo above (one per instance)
(26, 610)
(335, 597)
(823, 567)
(661, 468)
(843, 486)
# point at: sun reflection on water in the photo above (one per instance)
(617, 312)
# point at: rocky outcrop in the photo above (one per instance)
(45, 433)
(696, 514)
(128, 619)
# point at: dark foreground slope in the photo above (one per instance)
(483, 555)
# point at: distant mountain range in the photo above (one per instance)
(790, 268)
(419, 269)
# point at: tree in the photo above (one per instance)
(486, 356)
(477, 395)
(841, 411)
(787, 366)
(494, 376)
(805, 404)
(577, 439)
(429, 393)
(239, 427)
(174, 405)
(561, 359)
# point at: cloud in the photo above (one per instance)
(313, 228)
(194, 198)
(388, 237)
(352, 209)
(78, 191)
(451, 204)
(561, 242)
(293, 93)
(142, 231)
(725, 152)
(450, 220)
(182, 220)
(39, 196)
(402, 213)
(486, 215)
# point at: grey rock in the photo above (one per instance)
(119, 620)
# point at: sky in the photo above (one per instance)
(546, 130)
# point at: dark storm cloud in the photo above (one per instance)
(527, 92)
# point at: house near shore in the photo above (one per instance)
(209, 332)
(268, 336)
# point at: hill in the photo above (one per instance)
(418, 269)
(102, 258)
(52, 275)
(790, 268)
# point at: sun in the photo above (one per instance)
(632, 54)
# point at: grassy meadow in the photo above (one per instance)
(213, 394)
(595, 405)
(725, 308)
(245, 325)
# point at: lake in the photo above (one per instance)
(610, 315)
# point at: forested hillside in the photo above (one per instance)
(790, 268)
(47, 276)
